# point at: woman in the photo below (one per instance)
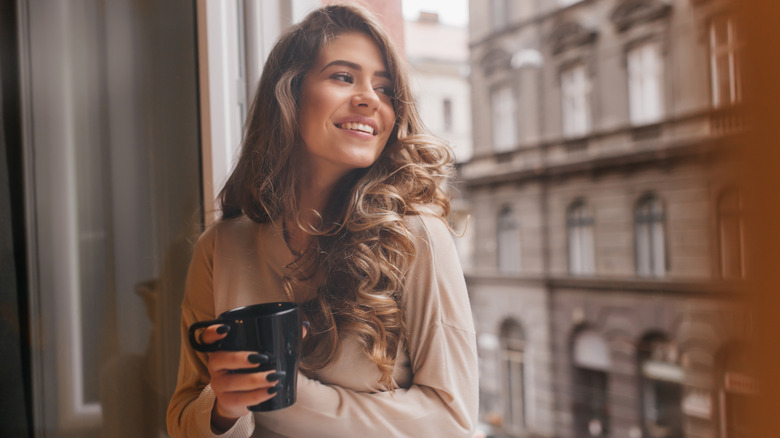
(336, 203)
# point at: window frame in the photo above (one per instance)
(576, 100)
(731, 49)
(580, 223)
(640, 81)
(503, 109)
(656, 256)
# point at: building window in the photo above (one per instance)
(502, 103)
(514, 371)
(590, 400)
(725, 51)
(731, 233)
(499, 14)
(579, 223)
(649, 219)
(447, 114)
(662, 387)
(645, 84)
(508, 238)
(575, 101)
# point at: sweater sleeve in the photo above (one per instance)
(443, 397)
(189, 412)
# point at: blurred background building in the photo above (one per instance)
(608, 233)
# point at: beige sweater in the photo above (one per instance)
(239, 262)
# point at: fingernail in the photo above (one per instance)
(223, 329)
(307, 324)
(273, 389)
(258, 358)
(278, 375)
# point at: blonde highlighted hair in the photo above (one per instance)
(361, 248)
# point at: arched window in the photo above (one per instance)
(592, 362)
(649, 219)
(579, 223)
(514, 371)
(730, 233)
(662, 387)
(508, 238)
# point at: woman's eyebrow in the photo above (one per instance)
(354, 66)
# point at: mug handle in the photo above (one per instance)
(203, 348)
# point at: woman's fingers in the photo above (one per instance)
(225, 361)
(244, 382)
(213, 333)
(237, 391)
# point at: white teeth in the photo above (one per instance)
(357, 127)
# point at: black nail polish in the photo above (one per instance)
(278, 375)
(258, 358)
(223, 329)
(307, 324)
(273, 389)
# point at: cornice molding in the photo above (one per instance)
(629, 13)
(569, 35)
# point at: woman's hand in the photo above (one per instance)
(236, 391)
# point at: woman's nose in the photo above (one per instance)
(366, 98)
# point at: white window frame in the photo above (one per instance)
(499, 14)
(503, 107)
(581, 241)
(645, 83)
(728, 51)
(514, 366)
(650, 237)
(508, 240)
(575, 101)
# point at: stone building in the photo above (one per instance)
(607, 257)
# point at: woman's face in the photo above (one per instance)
(346, 113)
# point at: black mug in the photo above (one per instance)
(273, 329)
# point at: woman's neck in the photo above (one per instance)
(313, 196)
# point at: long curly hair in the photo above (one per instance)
(360, 247)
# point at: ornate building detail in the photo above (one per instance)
(569, 35)
(632, 12)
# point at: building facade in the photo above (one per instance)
(608, 254)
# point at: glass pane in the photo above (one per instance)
(117, 190)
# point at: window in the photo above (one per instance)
(579, 223)
(645, 84)
(513, 366)
(590, 401)
(649, 219)
(725, 62)
(447, 114)
(502, 103)
(662, 387)
(575, 92)
(730, 233)
(508, 238)
(499, 14)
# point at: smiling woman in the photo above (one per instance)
(346, 114)
(337, 203)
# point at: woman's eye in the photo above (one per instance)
(385, 89)
(343, 77)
